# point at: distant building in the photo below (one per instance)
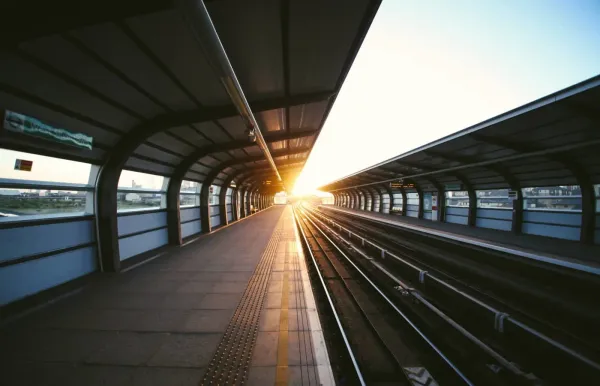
(133, 197)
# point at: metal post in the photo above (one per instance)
(173, 212)
(420, 193)
(472, 216)
(223, 201)
(403, 192)
(517, 213)
(205, 207)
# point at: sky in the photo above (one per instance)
(429, 68)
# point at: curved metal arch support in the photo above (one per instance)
(404, 202)
(234, 205)
(375, 199)
(362, 199)
(369, 191)
(243, 202)
(358, 198)
(384, 191)
(388, 190)
(353, 200)
(350, 199)
(223, 200)
(367, 195)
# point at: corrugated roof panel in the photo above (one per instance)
(272, 120)
(114, 46)
(159, 31)
(318, 53)
(76, 63)
(308, 116)
(148, 167)
(189, 134)
(171, 143)
(255, 53)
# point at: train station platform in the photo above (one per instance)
(559, 252)
(233, 305)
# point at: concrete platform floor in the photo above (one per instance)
(161, 323)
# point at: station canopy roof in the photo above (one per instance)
(110, 69)
(549, 142)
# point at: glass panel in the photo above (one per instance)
(493, 199)
(137, 180)
(457, 199)
(189, 200)
(397, 208)
(28, 202)
(190, 193)
(213, 195)
(190, 187)
(132, 201)
(554, 198)
(412, 199)
(44, 168)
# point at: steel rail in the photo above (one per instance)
(500, 317)
(333, 309)
(402, 315)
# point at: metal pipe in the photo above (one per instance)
(196, 15)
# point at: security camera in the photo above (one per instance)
(251, 135)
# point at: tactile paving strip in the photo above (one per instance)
(231, 362)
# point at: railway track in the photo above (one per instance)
(383, 343)
(534, 291)
(476, 316)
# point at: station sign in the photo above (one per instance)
(400, 184)
(24, 165)
(21, 123)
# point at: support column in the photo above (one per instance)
(366, 194)
(173, 213)
(234, 204)
(205, 207)
(223, 202)
(472, 216)
(403, 192)
(588, 208)
(374, 198)
(517, 213)
(106, 218)
(420, 193)
(442, 205)
(243, 202)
